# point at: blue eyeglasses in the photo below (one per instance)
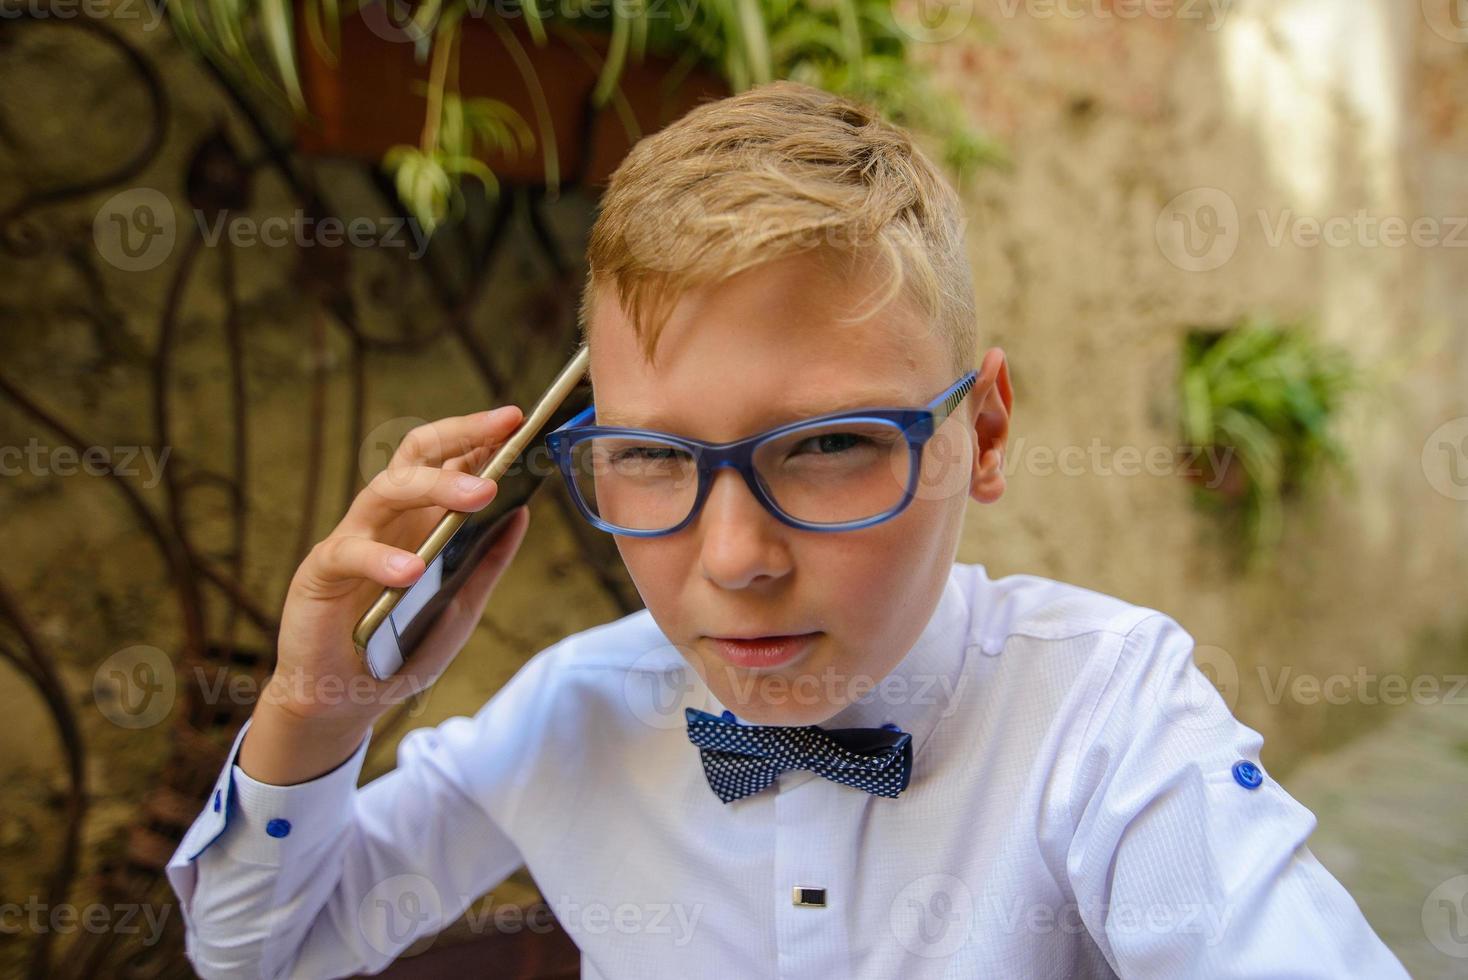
(836, 472)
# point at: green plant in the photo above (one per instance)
(1267, 394)
(851, 47)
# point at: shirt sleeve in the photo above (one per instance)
(323, 879)
(1187, 858)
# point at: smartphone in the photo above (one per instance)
(396, 622)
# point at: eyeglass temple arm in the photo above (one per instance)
(941, 407)
(944, 404)
(580, 418)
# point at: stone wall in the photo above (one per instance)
(1122, 131)
(1128, 122)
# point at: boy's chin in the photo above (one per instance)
(790, 711)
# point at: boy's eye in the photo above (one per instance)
(644, 452)
(830, 443)
(644, 457)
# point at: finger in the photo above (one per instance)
(473, 460)
(339, 563)
(456, 623)
(432, 443)
(392, 492)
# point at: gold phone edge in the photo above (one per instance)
(531, 426)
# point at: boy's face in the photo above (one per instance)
(760, 349)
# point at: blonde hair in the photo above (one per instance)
(775, 170)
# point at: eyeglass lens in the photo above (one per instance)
(832, 473)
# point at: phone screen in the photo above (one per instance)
(394, 641)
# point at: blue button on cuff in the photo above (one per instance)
(1247, 775)
(278, 827)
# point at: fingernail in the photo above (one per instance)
(469, 483)
(400, 563)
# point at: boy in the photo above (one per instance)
(1011, 778)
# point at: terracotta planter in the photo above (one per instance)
(1229, 481)
(366, 104)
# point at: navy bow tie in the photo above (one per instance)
(743, 759)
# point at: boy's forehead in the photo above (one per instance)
(752, 410)
(712, 399)
(771, 345)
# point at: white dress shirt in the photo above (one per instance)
(1074, 810)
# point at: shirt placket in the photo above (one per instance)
(815, 824)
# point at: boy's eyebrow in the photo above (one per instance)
(789, 412)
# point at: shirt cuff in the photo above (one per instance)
(267, 823)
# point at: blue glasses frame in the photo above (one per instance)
(917, 424)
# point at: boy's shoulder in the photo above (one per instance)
(1043, 608)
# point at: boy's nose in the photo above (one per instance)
(741, 542)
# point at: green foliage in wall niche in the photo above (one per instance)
(1265, 396)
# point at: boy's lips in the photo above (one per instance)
(763, 651)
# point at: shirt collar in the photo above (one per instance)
(922, 690)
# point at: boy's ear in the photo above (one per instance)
(991, 427)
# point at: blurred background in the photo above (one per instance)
(248, 244)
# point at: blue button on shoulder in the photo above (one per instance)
(729, 716)
(1247, 775)
(278, 827)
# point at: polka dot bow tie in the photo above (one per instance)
(743, 759)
